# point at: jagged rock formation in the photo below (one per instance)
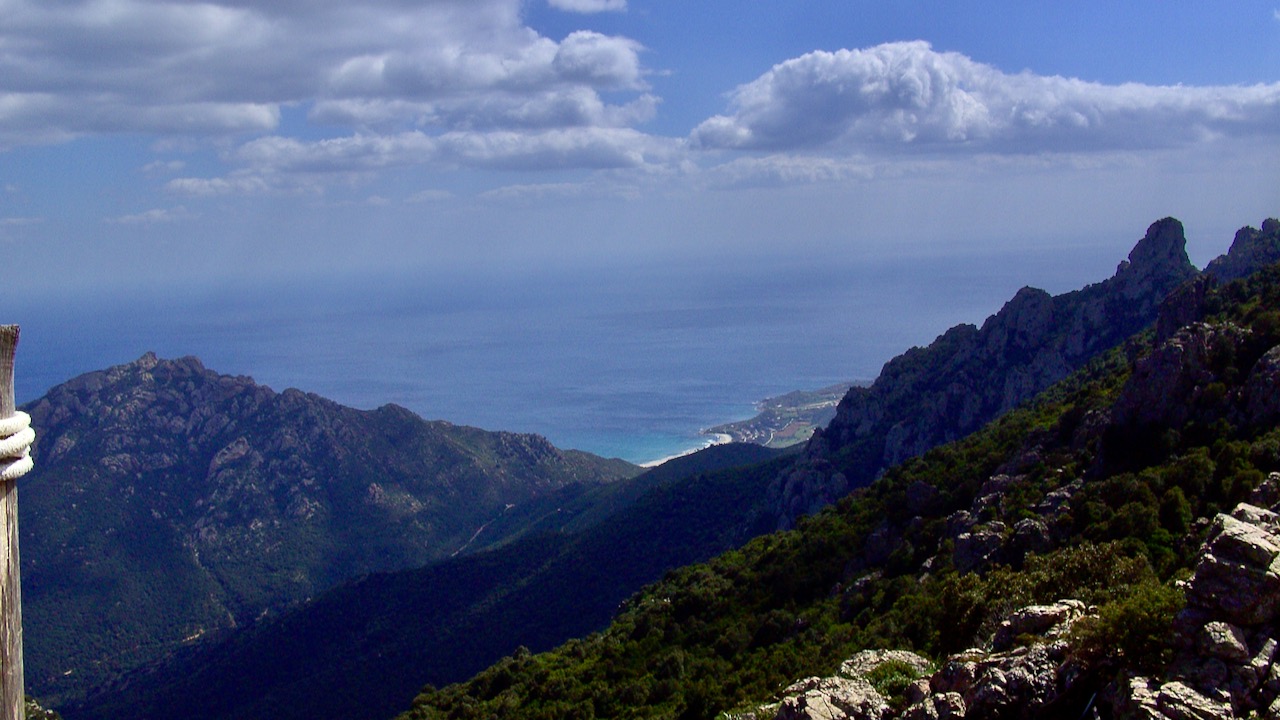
(1014, 682)
(1251, 249)
(969, 375)
(1228, 664)
(850, 694)
(169, 501)
(1100, 492)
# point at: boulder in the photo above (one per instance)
(947, 706)
(1179, 701)
(1237, 579)
(861, 665)
(1046, 620)
(975, 548)
(832, 699)
(1224, 641)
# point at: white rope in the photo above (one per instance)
(16, 437)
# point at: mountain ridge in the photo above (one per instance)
(1028, 304)
(207, 500)
(1088, 550)
(970, 375)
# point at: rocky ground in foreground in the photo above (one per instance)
(1227, 665)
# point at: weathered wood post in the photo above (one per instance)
(11, 684)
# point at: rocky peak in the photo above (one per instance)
(969, 376)
(1250, 250)
(1163, 248)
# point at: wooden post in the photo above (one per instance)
(11, 681)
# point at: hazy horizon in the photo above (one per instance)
(172, 168)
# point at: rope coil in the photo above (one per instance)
(16, 437)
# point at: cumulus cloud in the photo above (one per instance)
(589, 6)
(229, 67)
(907, 96)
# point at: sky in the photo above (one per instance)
(178, 147)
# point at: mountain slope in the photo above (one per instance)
(363, 649)
(1092, 493)
(601, 567)
(680, 523)
(169, 501)
(969, 375)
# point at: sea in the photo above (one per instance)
(623, 362)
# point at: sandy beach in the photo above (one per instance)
(716, 439)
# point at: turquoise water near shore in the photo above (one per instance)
(623, 364)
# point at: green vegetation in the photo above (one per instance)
(878, 569)
(170, 503)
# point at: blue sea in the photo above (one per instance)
(622, 362)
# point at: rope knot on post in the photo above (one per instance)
(16, 437)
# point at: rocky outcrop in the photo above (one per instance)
(848, 696)
(1016, 682)
(970, 375)
(1262, 390)
(1250, 250)
(1228, 664)
(835, 698)
(1176, 382)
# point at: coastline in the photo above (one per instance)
(716, 439)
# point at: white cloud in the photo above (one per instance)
(599, 60)
(10, 222)
(429, 196)
(906, 96)
(780, 170)
(163, 167)
(171, 67)
(153, 217)
(589, 6)
(283, 164)
(236, 184)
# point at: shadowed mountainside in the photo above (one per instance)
(970, 375)
(169, 501)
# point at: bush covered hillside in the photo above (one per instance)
(1101, 491)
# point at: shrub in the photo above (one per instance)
(891, 679)
(1136, 628)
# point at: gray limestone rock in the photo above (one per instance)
(1224, 641)
(832, 699)
(976, 547)
(947, 706)
(1235, 578)
(863, 663)
(1251, 249)
(1044, 620)
(1179, 368)
(1179, 701)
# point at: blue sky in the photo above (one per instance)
(177, 145)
